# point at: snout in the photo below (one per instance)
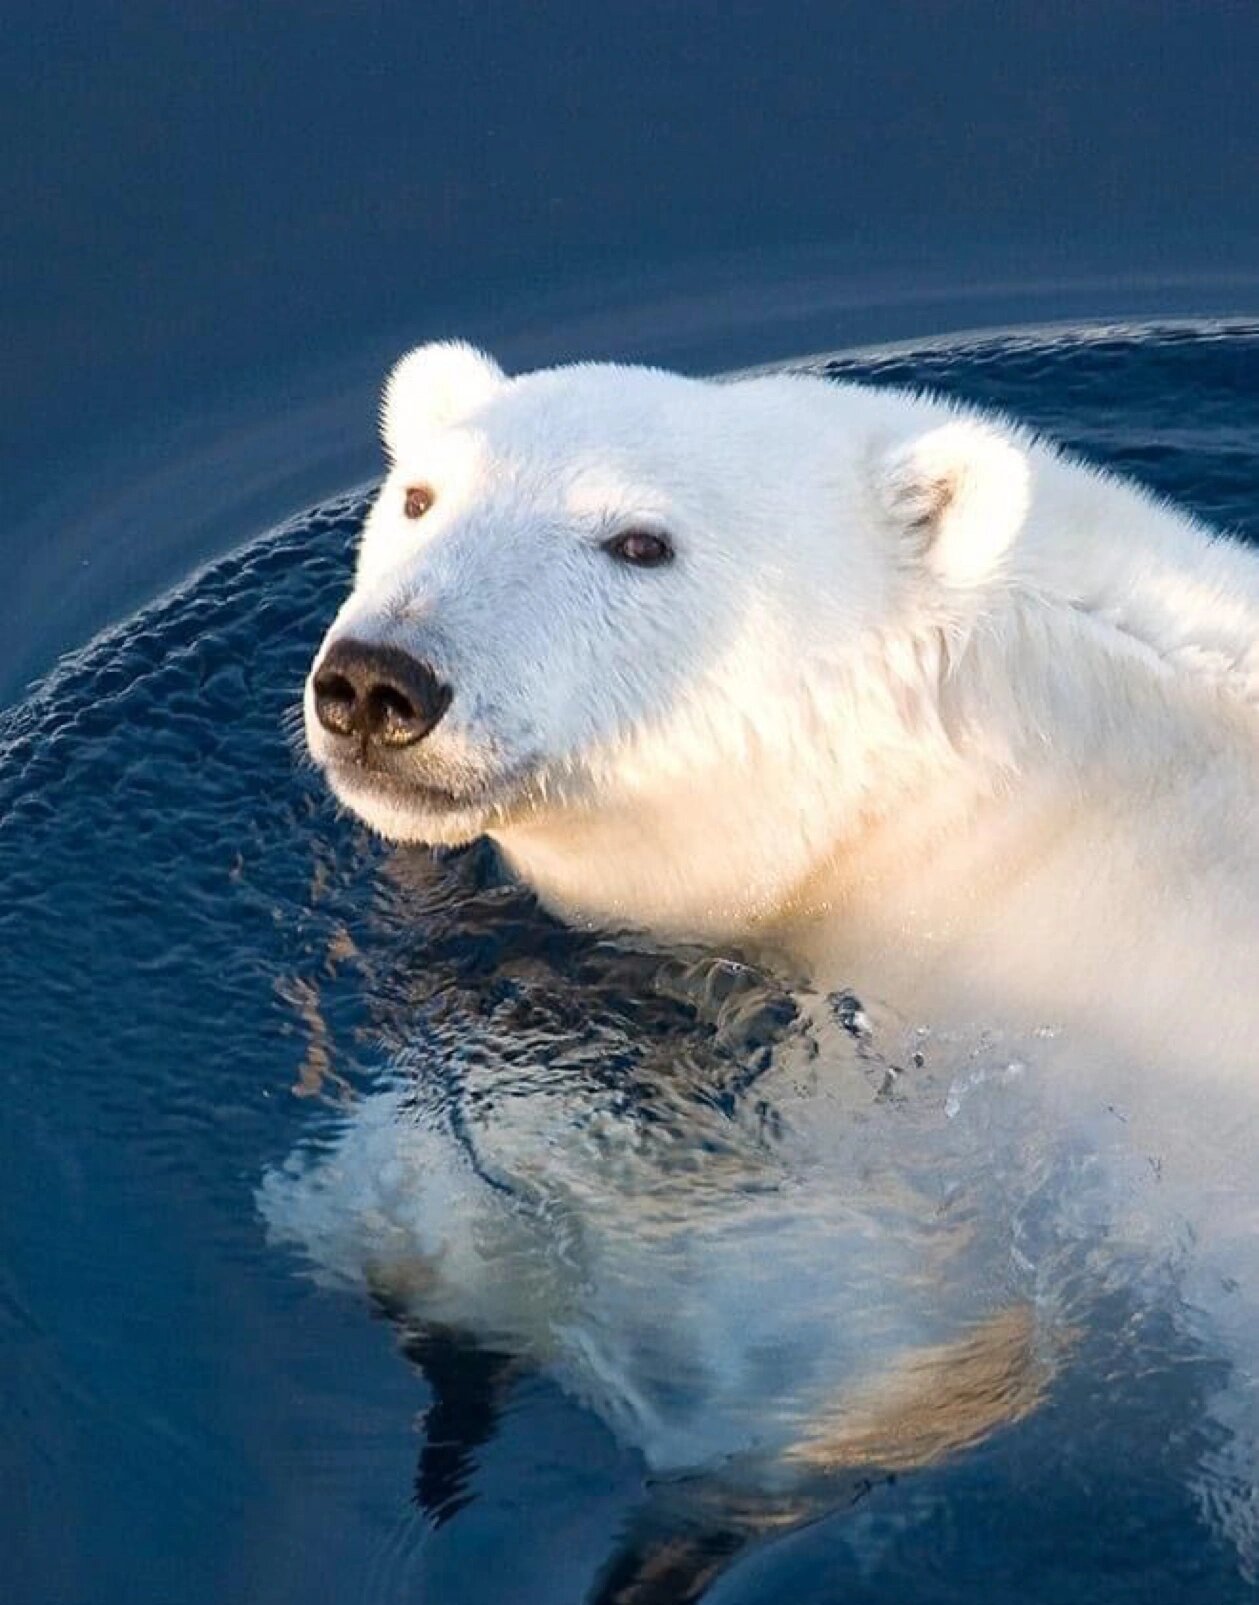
(377, 695)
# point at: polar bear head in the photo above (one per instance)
(664, 638)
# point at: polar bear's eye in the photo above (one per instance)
(641, 547)
(419, 499)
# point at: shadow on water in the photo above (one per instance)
(215, 980)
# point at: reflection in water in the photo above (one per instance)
(736, 1222)
(685, 1256)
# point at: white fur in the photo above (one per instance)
(921, 704)
(433, 387)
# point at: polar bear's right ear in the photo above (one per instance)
(433, 386)
(961, 493)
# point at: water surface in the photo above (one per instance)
(211, 972)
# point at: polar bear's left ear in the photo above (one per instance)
(961, 491)
(432, 386)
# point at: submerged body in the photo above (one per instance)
(889, 698)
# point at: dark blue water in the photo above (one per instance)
(220, 223)
(208, 970)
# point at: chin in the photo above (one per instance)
(409, 811)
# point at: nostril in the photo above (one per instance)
(391, 716)
(403, 710)
(336, 703)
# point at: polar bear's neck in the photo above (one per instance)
(1061, 830)
(921, 739)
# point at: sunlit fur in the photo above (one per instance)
(921, 704)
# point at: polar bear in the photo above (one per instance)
(897, 693)
(886, 696)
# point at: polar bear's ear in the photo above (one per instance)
(961, 491)
(435, 385)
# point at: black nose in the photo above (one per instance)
(377, 693)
